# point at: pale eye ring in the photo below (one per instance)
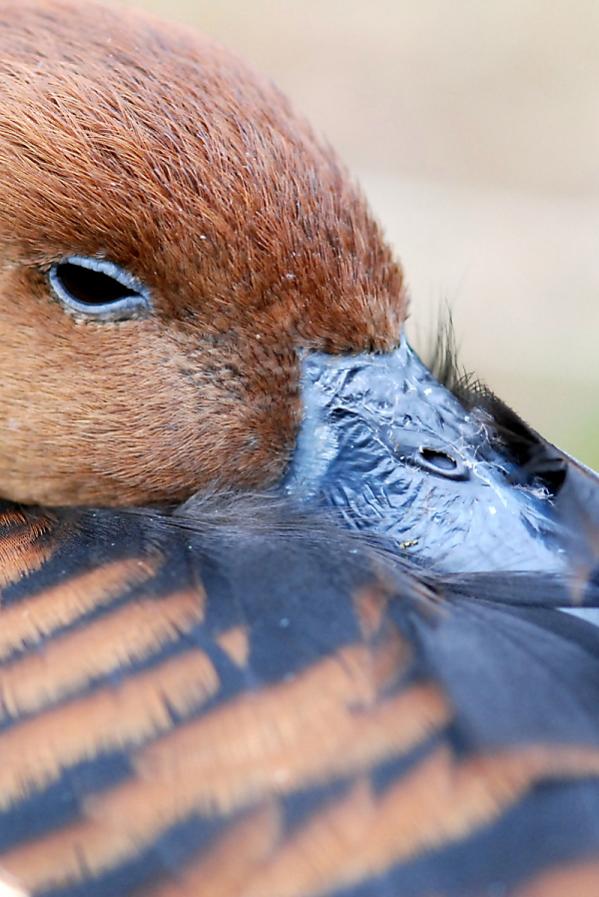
(99, 289)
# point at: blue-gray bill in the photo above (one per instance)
(457, 486)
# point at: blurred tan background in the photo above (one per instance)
(474, 128)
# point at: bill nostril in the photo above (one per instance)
(441, 463)
(338, 415)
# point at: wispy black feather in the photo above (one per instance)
(528, 450)
(442, 359)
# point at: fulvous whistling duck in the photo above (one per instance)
(281, 606)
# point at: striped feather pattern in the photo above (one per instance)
(186, 709)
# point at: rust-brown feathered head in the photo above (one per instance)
(171, 234)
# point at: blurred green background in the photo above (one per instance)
(474, 128)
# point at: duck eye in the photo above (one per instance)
(98, 289)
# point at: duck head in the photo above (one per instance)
(194, 294)
(171, 233)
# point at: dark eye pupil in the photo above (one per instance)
(88, 286)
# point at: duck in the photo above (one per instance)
(284, 611)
